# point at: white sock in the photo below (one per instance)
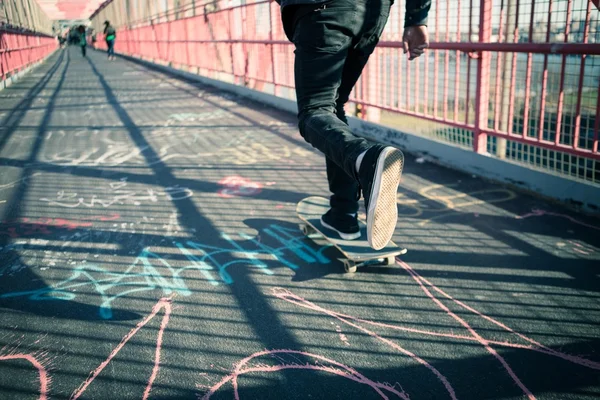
(352, 214)
(359, 160)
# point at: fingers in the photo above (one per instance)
(414, 48)
(416, 51)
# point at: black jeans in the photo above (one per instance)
(333, 43)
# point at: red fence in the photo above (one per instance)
(19, 49)
(516, 80)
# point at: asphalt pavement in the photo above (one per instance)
(149, 248)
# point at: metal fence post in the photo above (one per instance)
(508, 71)
(482, 94)
(272, 46)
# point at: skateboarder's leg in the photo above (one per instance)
(345, 188)
(343, 201)
(323, 37)
(379, 169)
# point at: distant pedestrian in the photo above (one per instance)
(110, 34)
(82, 39)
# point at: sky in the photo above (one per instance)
(81, 9)
(69, 9)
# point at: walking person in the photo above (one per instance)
(110, 34)
(82, 39)
(333, 41)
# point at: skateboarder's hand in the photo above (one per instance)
(415, 41)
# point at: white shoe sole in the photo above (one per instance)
(382, 215)
(345, 236)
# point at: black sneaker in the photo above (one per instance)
(379, 177)
(345, 225)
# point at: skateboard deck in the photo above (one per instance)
(356, 252)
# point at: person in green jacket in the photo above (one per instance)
(110, 34)
(333, 41)
(82, 39)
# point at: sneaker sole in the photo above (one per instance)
(382, 215)
(345, 236)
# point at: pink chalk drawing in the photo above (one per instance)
(111, 217)
(539, 213)
(45, 379)
(533, 345)
(468, 327)
(346, 319)
(473, 336)
(343, 337)
(332, 367)
(238, 186)
(581, 249)
(164, 303)
(44, 226)
(43, 374)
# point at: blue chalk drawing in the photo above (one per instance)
(141, 275)
(151, 271)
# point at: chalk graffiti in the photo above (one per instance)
(164, 304)
(94, 156)
(288, 296)
(23, 227)
(270, 361)
(151, 271)
(254, 153)
(472, 335)
(141, 275)
(582, 249)
(24, 180)
(448, 204)
(539, 213)
(39, 365)
(236, 152)
(114, 154)
(343, 337)
(196, 117)
(238, 186)
(321, 363)
(293, 245)
(116, 194)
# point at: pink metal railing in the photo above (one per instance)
(532, 79)
(21, 48)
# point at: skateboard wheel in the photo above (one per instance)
(307, 230)
(391, 260)
(349, 266)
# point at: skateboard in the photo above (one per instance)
(357, 253)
